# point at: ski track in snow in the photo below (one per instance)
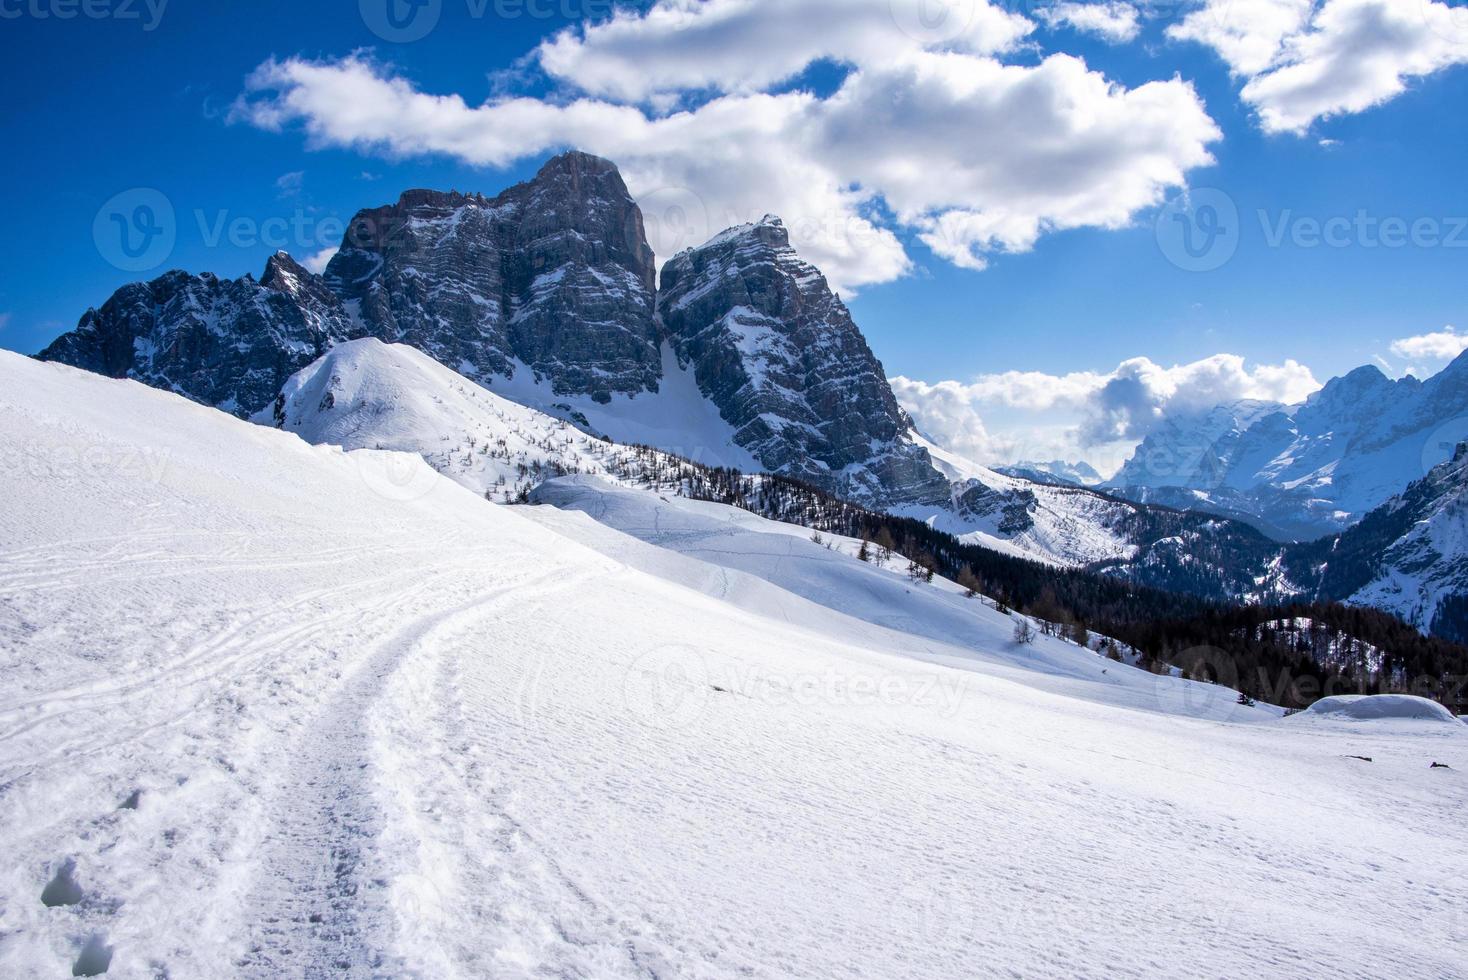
(315, 871)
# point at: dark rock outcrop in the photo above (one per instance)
(230, 343)
(554, 273)
(779, 355)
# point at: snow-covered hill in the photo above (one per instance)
(260, 718)
(369, 395)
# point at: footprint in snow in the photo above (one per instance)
(63, 888)
(94, 959)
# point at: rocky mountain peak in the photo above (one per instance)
(554, 274)
(552, 278)
(230, 343)
(780, 356)
(285, 275)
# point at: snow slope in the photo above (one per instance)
(260, 718)
(369, 395)
(1061, 525)
(934, 621)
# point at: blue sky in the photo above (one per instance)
(1075, 279)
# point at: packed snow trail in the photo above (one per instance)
(264, 716)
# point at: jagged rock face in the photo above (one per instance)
(554, 273)
(229, 343)
(779, 355)
(1013, 508)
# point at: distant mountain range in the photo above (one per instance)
(741, 356)
(1309, 470)
(1080, 474)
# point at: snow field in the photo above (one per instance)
(435, 737)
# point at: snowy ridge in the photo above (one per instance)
(369, 395)
(1410, 556)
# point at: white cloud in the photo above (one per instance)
(946, 413)
(1099, 417)
(678, 46)
(973, 155)
(1303, 61)
(1444, 345)
(1248, 34)
(1140, 393)
(317, 261)
(1108, 19)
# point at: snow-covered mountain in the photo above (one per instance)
(263, 716)
(538, 309)
(547, 294)
(1308, 470)
(1080, 474)
(778, 353)
(365, 394)
(553, 276)
(229, 343)
(1409, 556)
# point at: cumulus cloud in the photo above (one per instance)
(1248, 34)
(1103, 412)
(946, 413)
(972, 155)
(1109, 20)
(1141, 393)
(1443, 345)
(678, 46)
(1303, 60)
(317, 261)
